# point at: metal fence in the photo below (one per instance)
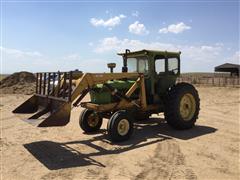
(212, 81)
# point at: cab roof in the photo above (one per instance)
(153, 52)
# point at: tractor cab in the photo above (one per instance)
(150, 62)
(160, 69)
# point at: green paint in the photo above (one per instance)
(156, 83)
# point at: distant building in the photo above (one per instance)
(233, 69)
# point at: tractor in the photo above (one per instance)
(147, 85)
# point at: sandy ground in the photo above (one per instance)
(208, 151)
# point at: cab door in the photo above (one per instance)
(160, 74)
(167, 70)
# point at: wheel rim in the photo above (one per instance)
(93, 120)
(187, 107)
(123, 127)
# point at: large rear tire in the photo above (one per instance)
(120, 126)
(182, 106)
(90, 121)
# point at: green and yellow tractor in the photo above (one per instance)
(147, 85)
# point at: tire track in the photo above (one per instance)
(167, 163)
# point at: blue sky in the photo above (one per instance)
(51, 36)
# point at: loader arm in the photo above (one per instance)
(125, 102)
(51, 105)
(88, 80)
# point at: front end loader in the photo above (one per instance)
(145, 86)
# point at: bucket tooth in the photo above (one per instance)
(60, 117)
(40, 113)
(29, 106)
(43, 111)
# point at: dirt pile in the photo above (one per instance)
(18, 83)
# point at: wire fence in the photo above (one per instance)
(212, 81)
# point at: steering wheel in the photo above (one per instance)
(175, 70)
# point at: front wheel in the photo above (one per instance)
(90, 121)
(120, 126)
(182, 106)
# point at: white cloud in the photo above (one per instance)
(19, 53)
(74, 56)
(115, 44)
(163, 30)
(137, 28)
(21, 60)
(175, 28)
(235, 58)
(90, 43)
(135, 13)
(110, 23)
(194, 58)
(15, 60)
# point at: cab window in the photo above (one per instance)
(160, 64)
(137, 64)
(132, 64)
(173, 65)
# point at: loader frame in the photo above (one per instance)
(83, 83)
(51, 104)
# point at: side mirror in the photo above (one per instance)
(124, 69)
(111, 66)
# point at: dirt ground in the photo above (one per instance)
(208, 151)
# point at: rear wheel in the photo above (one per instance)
(182, 106)
(90, 121)
(120, 126)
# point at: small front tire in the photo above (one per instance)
(90, 121)
(120, 126)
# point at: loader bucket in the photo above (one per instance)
(44, 111)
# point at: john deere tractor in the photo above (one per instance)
(147, 85)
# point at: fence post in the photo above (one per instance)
(44, 83)
(70, 87)
(37, 84)
(48, 86)
(40, 84)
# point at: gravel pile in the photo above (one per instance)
(18, 83)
